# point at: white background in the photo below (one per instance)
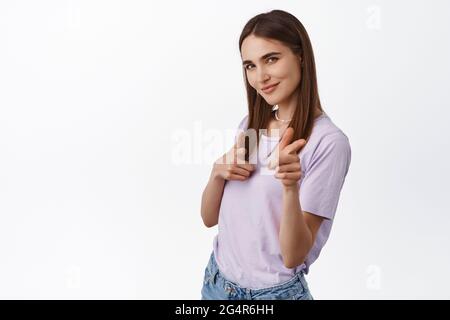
(94, 93)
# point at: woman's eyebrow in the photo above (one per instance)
(262, 58)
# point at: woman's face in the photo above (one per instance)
(263, 68)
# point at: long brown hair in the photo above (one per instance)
(286, 28)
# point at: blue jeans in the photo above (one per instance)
(216, 287)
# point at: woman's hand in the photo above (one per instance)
(232, 165)
(287, 164)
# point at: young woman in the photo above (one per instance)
(275, 210)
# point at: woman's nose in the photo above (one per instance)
(262, 77)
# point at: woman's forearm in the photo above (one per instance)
(295, 236)
(211, 199)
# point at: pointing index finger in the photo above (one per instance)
(287, 137)
(295, 146)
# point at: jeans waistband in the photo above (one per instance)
(215, 272)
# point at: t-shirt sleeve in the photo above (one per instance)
(325, 175)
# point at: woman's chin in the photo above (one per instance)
(270, 99)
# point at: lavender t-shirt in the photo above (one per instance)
(247, 248)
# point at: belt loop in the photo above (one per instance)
(301, 277)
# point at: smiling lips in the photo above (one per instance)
(270, 88)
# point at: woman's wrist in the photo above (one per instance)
(215, 174)
(291, 188)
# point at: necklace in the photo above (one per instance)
(275, 108)
(282, 120)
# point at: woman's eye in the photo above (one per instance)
(246, 67)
